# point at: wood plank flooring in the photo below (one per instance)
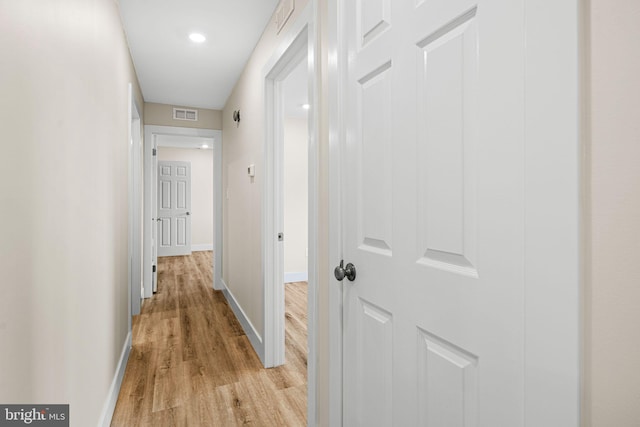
(191, 364)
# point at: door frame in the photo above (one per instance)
(553, 289)
(298, 42)
(151, 132)
(336, 76)
(135, 206)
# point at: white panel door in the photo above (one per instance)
(433, 213)
(174, 205)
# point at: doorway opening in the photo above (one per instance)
(295, 174)
(295, 210)
(296, 50)
(159, 138)
(135, 263)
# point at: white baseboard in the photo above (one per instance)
(254, 337)
(204, 247)
(114, 390)
(299, 276)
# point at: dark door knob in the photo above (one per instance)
(341, 272)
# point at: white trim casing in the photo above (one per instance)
(287, 56)
(131, 197)
(337, 72)
(276, 70)
(150, 133)
(552, 213)
(114, 390)
(135, 206)
(298, 42)
(217, 212)
(314, 156)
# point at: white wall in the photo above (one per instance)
(201, 189)
(612, 297)
(63, 191)
(242, 146)
(162, 115)
(296, 140)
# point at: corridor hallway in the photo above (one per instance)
(191, 364)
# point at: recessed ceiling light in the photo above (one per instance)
(197, 37)
(205, 146)
(306, 106)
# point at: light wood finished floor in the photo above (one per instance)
(191, 364)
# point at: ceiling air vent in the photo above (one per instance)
(185, 114)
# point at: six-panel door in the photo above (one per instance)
(434, 329)
(174, 204)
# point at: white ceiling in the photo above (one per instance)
(174, 70)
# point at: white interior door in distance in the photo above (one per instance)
(174, 205)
